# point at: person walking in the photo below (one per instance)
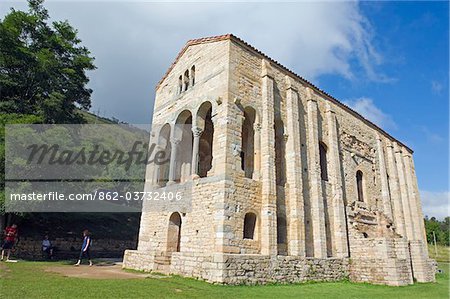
(85, 248)
(11, 234)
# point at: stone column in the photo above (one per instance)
(415, 189)
(268, 192)
(335, 177)
(150, 168)
(423, 271)
(385, 197)
(155, 169)
(409, 225)
(417, 217)
(315, 181)
(197, 132)
(396, 199)
(295, 210)
(173, 159)
(257, 152)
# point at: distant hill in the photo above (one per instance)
(92, 118)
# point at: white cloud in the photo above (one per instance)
(134, 43)
(367, 108)
(435, 204)
(431, 137)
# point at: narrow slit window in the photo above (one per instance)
(323, 161)
(359, 185)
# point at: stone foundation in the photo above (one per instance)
(380, 261)
(423, 268)
(247, 269)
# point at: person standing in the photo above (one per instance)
(85, 248)
(11, 233)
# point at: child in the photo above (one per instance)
(11, 233)
(85, 248)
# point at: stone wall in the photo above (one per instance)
(243, 268)
(257, 269)
(68, 248)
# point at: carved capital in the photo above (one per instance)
(175, 141)
(197, 131)
(329, 109)
(236, 149)
(266, 69)
(290, 84)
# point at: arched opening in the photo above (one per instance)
(174, 233)
(282, 235)
(360, 185)
(193, 75)
(249, 226)
(186, 80)
(205, 151)
(164, 146)
(180, 84)
(248, 142)
(323, 161)
(183, 135)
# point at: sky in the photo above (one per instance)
(387, 60)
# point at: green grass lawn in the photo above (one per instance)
(28, 280)
(443, 253)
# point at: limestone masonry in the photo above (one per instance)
(288, 184)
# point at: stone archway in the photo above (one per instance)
(174, 233)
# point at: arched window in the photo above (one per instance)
(193, 75)
(248, 140)
(323, 161)
(205, 150)
(249, 226)
(186, 80)
(180, 84)
(359, 185)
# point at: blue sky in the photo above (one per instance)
(413, 39)
(388, 60)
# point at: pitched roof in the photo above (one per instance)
(244, 44)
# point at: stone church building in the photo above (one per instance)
(287, 183)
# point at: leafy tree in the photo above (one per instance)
(42, 66)
(440, 228)
(42, 74)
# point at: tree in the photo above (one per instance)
(440, 228)
(42, 74)
(42, 66)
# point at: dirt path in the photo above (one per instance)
(3, 270)
(99, 271)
